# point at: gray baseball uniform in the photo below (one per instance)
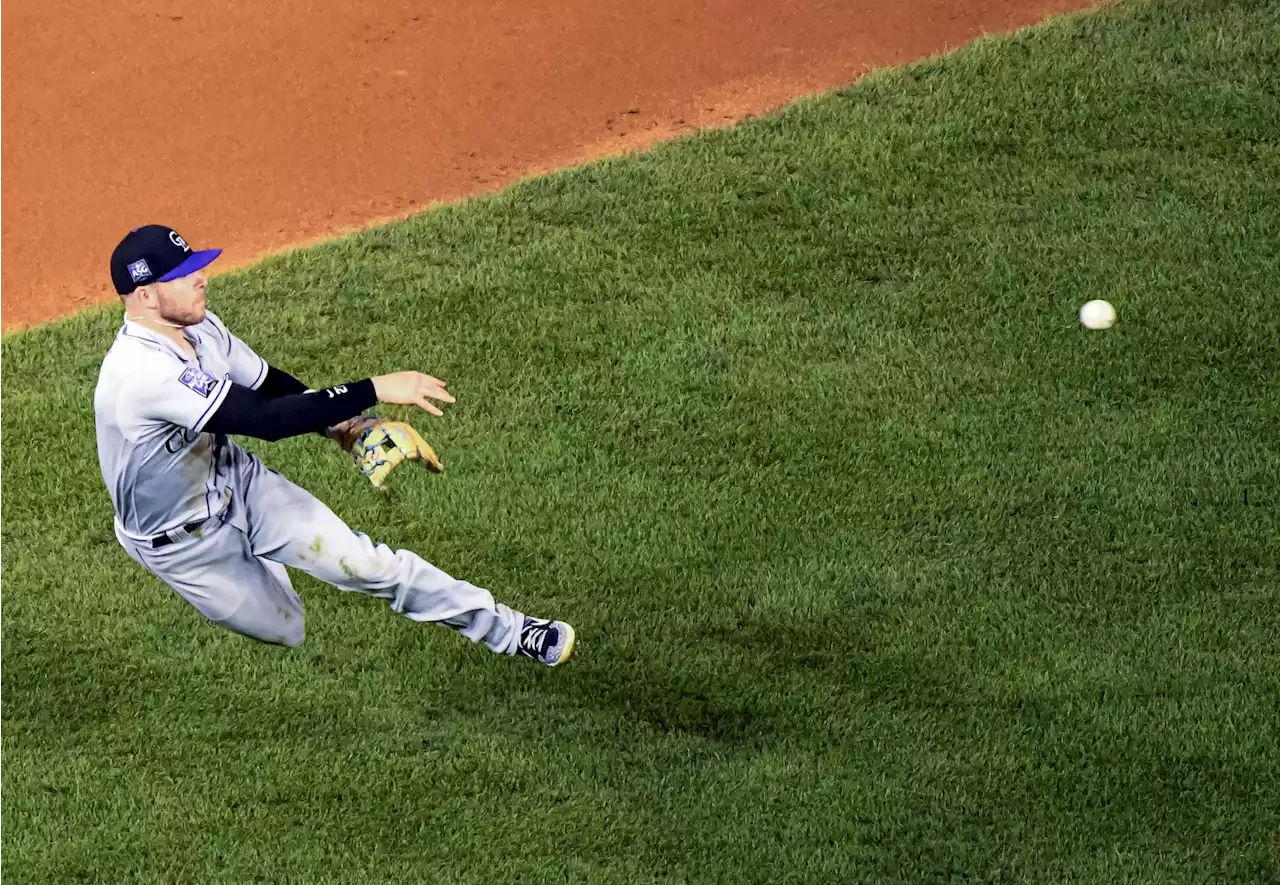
(219, 527)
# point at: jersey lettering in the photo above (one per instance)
(179, 440)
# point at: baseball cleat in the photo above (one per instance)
(550, 642)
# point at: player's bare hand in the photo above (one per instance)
(412, 389)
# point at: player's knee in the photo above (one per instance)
(289, 634)
(295, 629)
(371, 572)
(286, 627)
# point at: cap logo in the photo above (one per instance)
(178, 241)
(139, 271)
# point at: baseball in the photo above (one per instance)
(1098, 314)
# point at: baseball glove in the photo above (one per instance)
(382, 447)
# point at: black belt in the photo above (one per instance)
(190, 528)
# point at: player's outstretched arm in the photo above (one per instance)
(278, 382)
(247, 412)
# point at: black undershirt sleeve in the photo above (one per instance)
(247, 412)
(280, 383)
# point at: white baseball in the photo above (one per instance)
(1098, 314)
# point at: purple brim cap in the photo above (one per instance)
(195, 261)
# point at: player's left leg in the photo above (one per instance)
(289, 525)
(217, 572)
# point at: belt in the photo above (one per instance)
(176, 534)
(180, 534)
(164, 539)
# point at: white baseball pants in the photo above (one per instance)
(233, 571)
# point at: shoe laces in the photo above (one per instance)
(535, 635)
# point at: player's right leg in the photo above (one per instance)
(219, 575)
(289, 525)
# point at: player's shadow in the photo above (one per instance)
(722, 685)
(689, 703)
(731, 684)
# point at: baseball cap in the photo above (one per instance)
(155, 253)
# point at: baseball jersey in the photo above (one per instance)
(151, 405)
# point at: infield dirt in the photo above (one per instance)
(264, 127)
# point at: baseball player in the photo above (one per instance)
(218, 526)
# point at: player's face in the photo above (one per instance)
(182, 301)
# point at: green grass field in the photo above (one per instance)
(885, 569)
